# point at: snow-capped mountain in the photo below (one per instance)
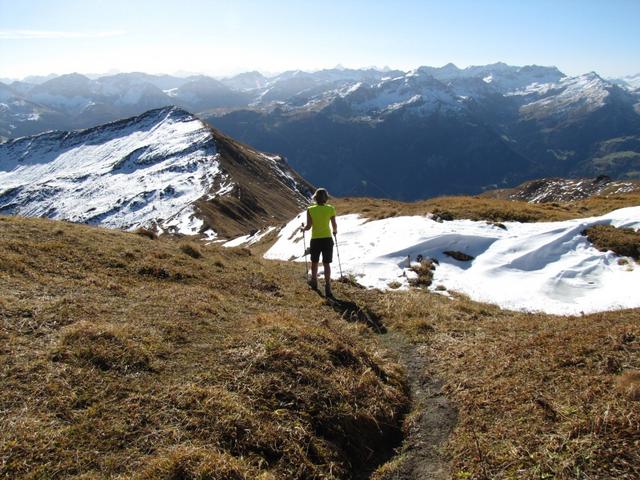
(129, 90)
(295, 89)
(572, 95)
(165, 169)
(22, 88)
(504, 78)
(204, 93)
(163, 82)
(421, 94)
(115, 95)
(70, 93)
(631, 82)
(19, 115)
(246, 81)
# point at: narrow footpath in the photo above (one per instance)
(431, 418)
(430, 421)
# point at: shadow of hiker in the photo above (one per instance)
(352, 312)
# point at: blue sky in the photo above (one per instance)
(226, 37)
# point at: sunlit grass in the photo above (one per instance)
(124, 355)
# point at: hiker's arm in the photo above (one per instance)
(334, 225)
(309, 222)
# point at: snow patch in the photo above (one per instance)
(184, 223)
(548, 267)
(250, 239)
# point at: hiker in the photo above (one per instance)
(319, 216)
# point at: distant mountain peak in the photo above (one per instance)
(592, 76)
(68, 77)
(547, 190)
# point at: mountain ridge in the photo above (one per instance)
(164, 169)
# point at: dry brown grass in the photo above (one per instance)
(191, 249)
(622, 241)
(424, 270)
(145, 232)
(538, 396)
(483, 208)
(126, 358)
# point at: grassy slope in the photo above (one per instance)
(623, 241)
(489, 209)
(122, 356)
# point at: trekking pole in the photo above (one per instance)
(306, 264)
(335, 235)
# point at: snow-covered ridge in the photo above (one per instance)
(142, 171)
(584, 93)
(549, 267)
(631, 82)
(567, 190)
(422, 94)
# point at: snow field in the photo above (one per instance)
(539, 267)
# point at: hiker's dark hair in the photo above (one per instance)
(321, 195)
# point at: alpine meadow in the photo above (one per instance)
(302, 241)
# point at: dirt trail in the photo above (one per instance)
(432, 417)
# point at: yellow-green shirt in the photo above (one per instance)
(320, 217)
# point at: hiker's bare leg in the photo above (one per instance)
(327, 276)
(327, 273)
(314, 274)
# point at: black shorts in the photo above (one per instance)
(324, 245)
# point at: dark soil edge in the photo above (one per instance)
(430, 422)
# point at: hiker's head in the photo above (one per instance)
(321, 196)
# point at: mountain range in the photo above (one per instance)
(403, 135)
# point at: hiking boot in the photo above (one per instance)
(313, 283)
(327, 291)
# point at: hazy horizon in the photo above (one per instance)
(183, 74)
(221, 39)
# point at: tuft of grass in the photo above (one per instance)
(191, 249)
(164, 272)
(425, 273)
(107, 348)
(147, 233)
(622, 241)
(629, 384)
(460, 256)
(197, 463)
